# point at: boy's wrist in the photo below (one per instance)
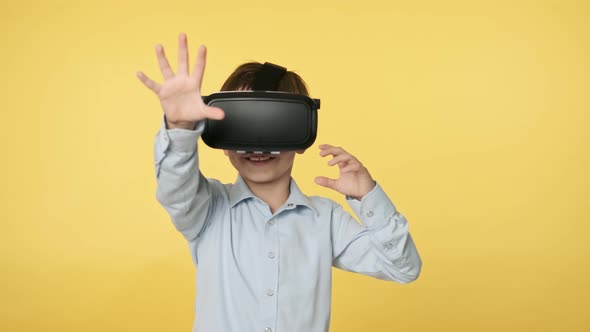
(182, 125)
(368, 188)
(188, 125)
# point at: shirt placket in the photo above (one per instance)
(270, 292)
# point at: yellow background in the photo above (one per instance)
(473, 115)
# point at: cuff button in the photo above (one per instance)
(370, 213)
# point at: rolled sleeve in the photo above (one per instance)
(375, 208)
(395, 251)
(176, 140)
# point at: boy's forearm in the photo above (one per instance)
(182, 190)
(390, 234)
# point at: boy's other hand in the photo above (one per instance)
(180, 94)
(354, 180)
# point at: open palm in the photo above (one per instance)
(180, 94)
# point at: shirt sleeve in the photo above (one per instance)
(380, 247)
(182, 190)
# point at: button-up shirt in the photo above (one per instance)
(264, 271)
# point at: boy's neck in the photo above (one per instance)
(274, 193)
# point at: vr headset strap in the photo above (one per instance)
(268, 78)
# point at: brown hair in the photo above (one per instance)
(243, 77)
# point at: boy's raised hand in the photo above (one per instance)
(180, 94)
(354, 180)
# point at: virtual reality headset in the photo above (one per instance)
(263, 120)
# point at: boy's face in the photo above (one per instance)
(262, 168)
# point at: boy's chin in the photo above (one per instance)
(260, 178)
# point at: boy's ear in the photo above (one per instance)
(300, 151)
(226, 152)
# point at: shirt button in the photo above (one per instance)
(389, 245)
(271, 255)
(290, 205)
(270, 292)
(267, 329)
(272, 222)
(370, 213)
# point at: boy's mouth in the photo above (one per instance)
(259, 160)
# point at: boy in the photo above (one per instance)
(263, 249)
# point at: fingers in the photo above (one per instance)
(163, 63)
(182, 55)
(340, 159)
(155, 87)
(199, 68)
(352, 167)
(345, 161)
(214, 113)
(328, 149)
(325, 182)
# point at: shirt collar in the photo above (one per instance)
(296, 197)
(240, 192)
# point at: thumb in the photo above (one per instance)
(214, 113)
(326, 182)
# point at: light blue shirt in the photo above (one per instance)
(265, 272)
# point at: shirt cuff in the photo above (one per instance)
(375, 209)
(161, 142)
(182, 140)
